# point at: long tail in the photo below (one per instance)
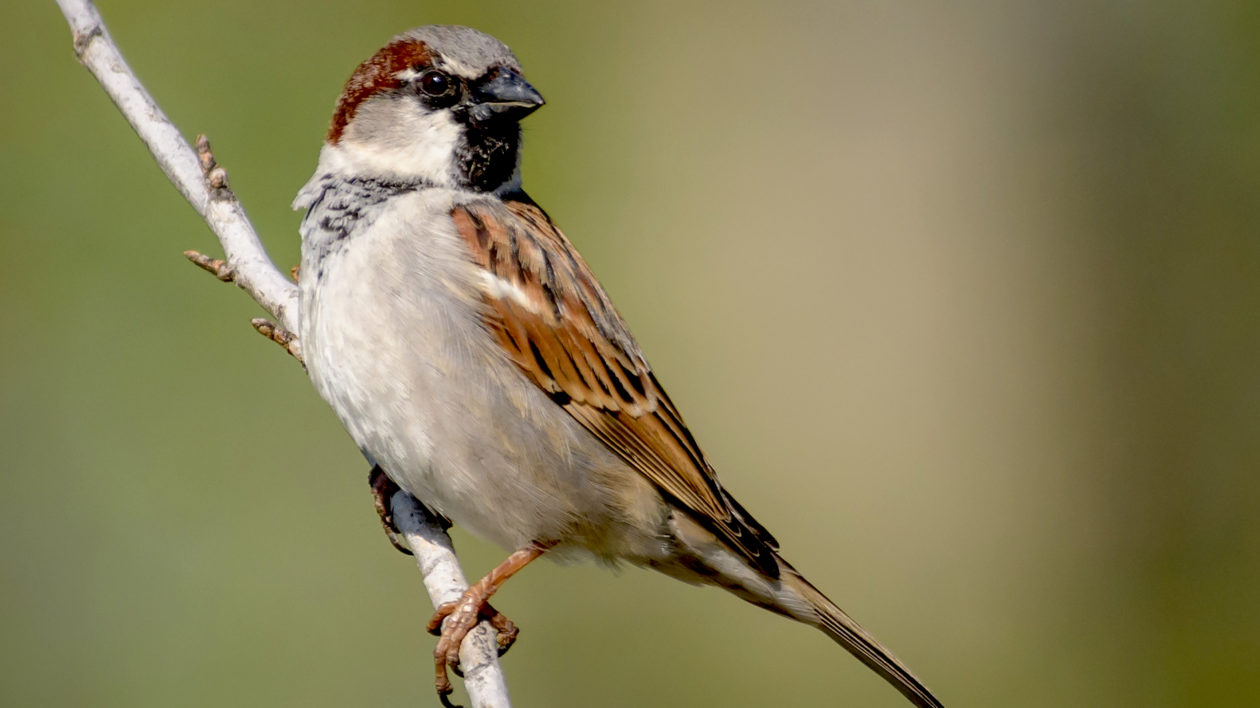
(826, 616)
(703, 558)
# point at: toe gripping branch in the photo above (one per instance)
(454, 620)
(383, 489)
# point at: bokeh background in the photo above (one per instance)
(962, 300)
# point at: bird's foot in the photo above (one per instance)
(454, 620)
(383, 489)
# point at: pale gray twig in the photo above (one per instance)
(445, 582)
(204, 184)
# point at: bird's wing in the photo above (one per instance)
(554, 320)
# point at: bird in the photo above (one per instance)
(474, 358)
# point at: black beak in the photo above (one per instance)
(503, 95)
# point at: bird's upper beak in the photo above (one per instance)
(504, 95)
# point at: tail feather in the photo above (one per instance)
(835, 623)
(700, 557)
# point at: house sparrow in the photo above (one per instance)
(473, 356)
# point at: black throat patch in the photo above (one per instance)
(486, 158)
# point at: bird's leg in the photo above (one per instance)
(383, 489)
(454, 620)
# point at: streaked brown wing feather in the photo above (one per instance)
(558, 325)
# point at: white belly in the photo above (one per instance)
(392, 340)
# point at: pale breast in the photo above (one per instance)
(393, 338)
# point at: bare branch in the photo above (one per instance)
(214, 266)
(445, 582)
(279, 335)
(221, 211)
(204, 184)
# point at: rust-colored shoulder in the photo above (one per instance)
(379, 72)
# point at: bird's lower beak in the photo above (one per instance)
(504, 96)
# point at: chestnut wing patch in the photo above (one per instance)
(555, 321)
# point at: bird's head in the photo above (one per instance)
(440, 104)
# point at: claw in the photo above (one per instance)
(446, 702)
(383, 489)
(506, 628)
(453, 620)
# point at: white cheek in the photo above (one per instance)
(401, 139)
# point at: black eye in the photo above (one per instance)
(435, 83)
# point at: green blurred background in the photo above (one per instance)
(964, 303)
